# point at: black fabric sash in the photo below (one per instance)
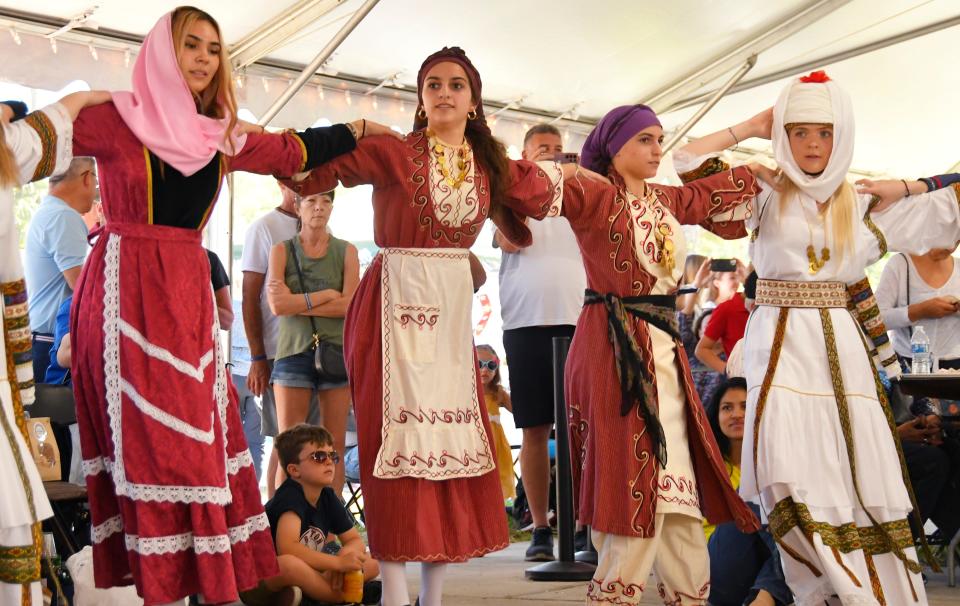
(636, 385)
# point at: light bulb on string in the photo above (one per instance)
(266, 84)
(126, 57)
(566, 135)
(53, 45)
(375, 105)
(93, 51)
(347, 98)
(16, 36)
(320, 92)
(403, 107)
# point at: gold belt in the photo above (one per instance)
(785, 293)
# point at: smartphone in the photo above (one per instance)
(567, 158)
(723, 265)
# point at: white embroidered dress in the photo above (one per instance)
(801, 451)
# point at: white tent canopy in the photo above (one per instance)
(557, 57)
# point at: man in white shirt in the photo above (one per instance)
(541, 294)
(259, 323)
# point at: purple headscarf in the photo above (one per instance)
(610, 134)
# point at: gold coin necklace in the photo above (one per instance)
(815, 263)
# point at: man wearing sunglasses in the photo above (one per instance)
(56, 249)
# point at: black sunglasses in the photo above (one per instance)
(321, 456)
(490, 365)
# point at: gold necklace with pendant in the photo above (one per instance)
(461, 153)
(816, 264)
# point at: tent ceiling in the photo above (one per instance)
(558, 53)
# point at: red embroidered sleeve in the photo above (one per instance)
(695, 202)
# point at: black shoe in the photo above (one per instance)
(372, 590)
(541, 546)
(580, 540)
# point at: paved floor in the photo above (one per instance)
(499, 579)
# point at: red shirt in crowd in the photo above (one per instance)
(728, 322)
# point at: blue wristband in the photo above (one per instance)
(260, 358)
(941, 181)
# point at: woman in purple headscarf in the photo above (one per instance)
(648, 466)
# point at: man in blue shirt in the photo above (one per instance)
(56, 249)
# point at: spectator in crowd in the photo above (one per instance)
(259, 323)
(55, 251)
(728, 322)
(541, 294)
(311, 280)
(692, 318)
(744, 568)
(315, 537)
(496, 397)
(923, 290)
(221, 290)
(734, 367)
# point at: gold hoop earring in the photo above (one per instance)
(422, 113)
(472, 117)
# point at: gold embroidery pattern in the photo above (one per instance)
(875, 580)
(785, 293)
(778, 335)
(41, 123)
(881, 239)
(16, 324)
(19, 564)
(711, 166)
(846, 538)
(441, 227)
(614, 592)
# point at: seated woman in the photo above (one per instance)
(744, 568)
(311, 279)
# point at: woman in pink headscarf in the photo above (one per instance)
(173, 494)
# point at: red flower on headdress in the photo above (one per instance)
(817, 77)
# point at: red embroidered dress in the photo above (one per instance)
(428, 472)
(622, 240)
(174, 498)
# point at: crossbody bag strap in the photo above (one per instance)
(907, 263)
(303, 287)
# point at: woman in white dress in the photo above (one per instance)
(30, 149)
(819, 453)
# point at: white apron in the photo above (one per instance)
(432, 423)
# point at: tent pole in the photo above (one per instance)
(753, 44)
(823, 61)
(314, 65)
(737, 76)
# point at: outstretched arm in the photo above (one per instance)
(758, 126)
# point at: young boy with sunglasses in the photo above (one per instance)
(306, 516)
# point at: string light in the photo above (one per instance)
(93, 51)
(15, 36)
(320, 92)
(126, 57)
(376, 106)
(53, 45)
(403, 107)
(347, 98)
(266, 84)
(241, 80)
(566, 135)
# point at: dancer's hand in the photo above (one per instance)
(766, 174)
(889, 191)
(761, 125)
(369, 128)
(571, 171)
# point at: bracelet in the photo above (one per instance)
(732, 134)
(306, 297)
(353, 131)
(930, 183)
(363, 131)
(259, 358)
(905, 188)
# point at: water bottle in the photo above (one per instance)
(920, 351)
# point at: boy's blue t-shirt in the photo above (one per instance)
(319, 523)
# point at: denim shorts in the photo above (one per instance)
(298, 371)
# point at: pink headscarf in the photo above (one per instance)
(161, 110)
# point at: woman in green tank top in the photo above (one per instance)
(331, 273)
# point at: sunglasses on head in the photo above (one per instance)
(490, 365)
(321, 456)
